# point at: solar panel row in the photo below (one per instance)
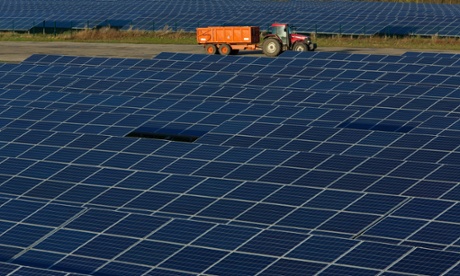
(321, 182)
(176, 244)
(386, 74)
(337, 17)
(388, 115)
(262, 124)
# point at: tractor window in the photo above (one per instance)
(280, 31)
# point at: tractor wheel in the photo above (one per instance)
(225, 49)
(210, 49)
(271, 47)
(300, 47)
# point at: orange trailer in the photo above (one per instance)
(228, 39)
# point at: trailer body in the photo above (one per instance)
(228, 38)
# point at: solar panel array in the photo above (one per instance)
(324, 17)
(186, 164)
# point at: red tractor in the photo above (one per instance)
(227, 40)
(281, 37)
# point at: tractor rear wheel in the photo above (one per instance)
(210, 49)
(225, 49)
(271, 47)
(300, 47)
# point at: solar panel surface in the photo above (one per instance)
(292, 169)
(331, 17)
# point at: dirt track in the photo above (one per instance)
(18, 51)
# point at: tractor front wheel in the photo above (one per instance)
(210, 49)
(225, 49)
(271, 47)
(300, 47)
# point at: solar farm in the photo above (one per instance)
(310, 163)
(319, 17)
(186, 164)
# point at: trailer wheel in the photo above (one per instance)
(210, 49)
(234, 52)
(271, 47)
(300, 47)
(225, 49)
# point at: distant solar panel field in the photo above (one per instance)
(321, 17)
(311, 163)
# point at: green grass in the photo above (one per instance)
(166, 36)
(408, 42)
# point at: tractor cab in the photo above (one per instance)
(283, 31)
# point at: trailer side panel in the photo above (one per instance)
(231, 35)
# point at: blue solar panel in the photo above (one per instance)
(293, 267)
(193, 259)
(434, 262)
(371, 252)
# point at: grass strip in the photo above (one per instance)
(167, 36)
